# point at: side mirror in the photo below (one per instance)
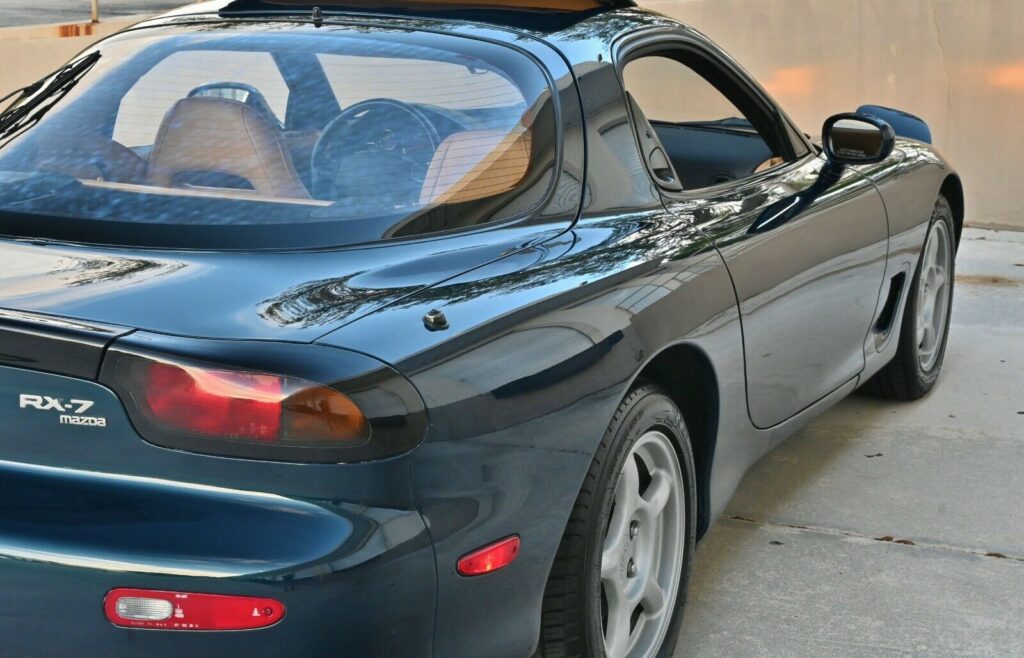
(856, 139)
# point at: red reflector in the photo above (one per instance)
(489, 558)
(182, 611)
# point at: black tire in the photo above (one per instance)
(571, 623)
(904, 378)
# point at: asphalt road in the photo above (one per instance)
(34, 12)
(884, 528)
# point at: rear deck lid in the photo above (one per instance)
(85, 296)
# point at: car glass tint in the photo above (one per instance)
(274, 136)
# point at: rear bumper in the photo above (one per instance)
(86, 509)
(355, 580)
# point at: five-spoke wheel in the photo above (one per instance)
(643, 548)
(934, 289)
(618, 585)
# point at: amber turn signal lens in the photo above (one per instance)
(319, 414)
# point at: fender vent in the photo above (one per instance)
(885, 320)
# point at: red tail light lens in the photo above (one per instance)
(215, 402)
(490, 558)
(182, 611)
(211, 405)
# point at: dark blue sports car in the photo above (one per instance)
(436, 329)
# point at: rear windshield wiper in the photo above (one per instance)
(24, 91)
(43, 96)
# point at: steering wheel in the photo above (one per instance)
(369, 140)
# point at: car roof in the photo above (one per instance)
(554, 20)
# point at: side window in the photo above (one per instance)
(696, 118)
(183, 73)
(673, 92)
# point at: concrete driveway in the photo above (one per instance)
(885, 528)
(34, 12)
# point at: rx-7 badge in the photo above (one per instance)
(71, 412)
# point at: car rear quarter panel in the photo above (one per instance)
(522, 387)
(541, 348)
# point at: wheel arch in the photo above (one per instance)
(953, 189)
(687, 375)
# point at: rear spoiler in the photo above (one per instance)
(411, 5)
(535, 15)
(904, 123)
(54, 344)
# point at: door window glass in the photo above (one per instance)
(707, 138)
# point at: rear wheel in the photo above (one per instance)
(618, 584)
(914, 370)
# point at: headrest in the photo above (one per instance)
(475, 164)
(208, 135)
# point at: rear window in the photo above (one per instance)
(277, 136)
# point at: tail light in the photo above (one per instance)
(244, 406)
(252, 412)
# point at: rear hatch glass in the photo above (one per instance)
(276, 135)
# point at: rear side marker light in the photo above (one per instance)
(489, 558)
(182, 611)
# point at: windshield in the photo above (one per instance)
(276, 136)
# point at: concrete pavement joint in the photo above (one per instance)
(846, 534)
(883, 430)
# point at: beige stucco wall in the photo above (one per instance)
(29, 53)
(959, 64)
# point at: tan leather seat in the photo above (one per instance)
(773, 161)
(476, 164)
(205, 134)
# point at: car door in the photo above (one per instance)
(805, 242)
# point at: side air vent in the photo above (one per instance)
(884, 324)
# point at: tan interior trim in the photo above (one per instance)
(476, 164)
(770, 163)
